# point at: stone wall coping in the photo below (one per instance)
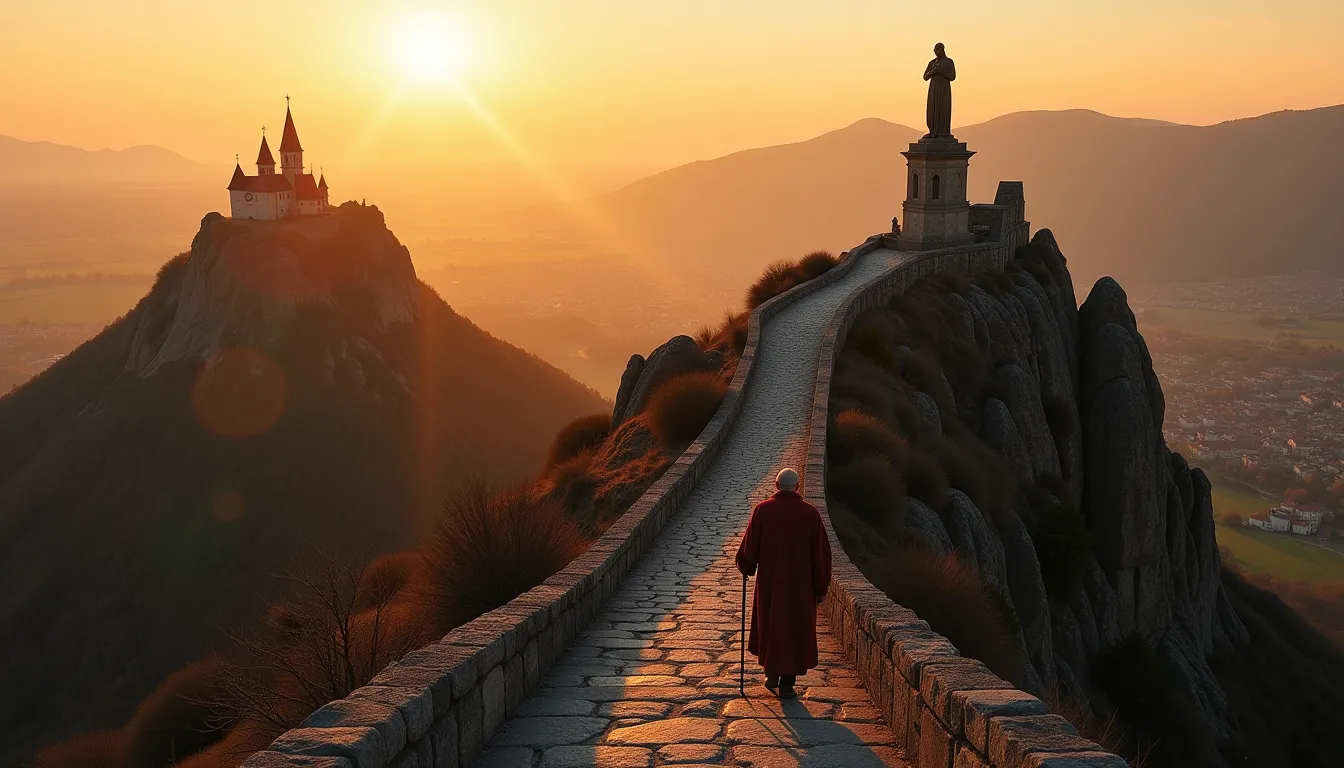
(943, 708)
(467, 682)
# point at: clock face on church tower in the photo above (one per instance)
(248, 197)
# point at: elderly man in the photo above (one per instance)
(786, 543)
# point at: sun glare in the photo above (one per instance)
(430, 49)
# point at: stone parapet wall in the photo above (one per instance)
(438, 706)
(945, 710)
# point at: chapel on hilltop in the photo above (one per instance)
(269, 195)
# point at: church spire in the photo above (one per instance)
(291, 152)
(265, 162)
(289, 140)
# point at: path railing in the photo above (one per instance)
(944, 709)
(439, 706)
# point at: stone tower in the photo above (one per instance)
(936, 212)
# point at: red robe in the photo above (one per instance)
(787, 542)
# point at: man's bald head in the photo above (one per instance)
(786, 480)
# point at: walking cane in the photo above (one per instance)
(742, 664)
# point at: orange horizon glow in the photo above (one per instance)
(600, 81)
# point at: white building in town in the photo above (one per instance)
(271, 195)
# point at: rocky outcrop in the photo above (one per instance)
(243, 282)
(1073, 410)
(642, 377)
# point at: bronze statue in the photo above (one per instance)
(940, 73)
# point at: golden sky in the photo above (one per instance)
(628, 81)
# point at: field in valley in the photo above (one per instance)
(1282, 555)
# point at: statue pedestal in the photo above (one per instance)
(936, 212)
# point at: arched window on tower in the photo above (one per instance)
(935, 189)
(914, 186)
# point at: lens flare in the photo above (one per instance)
(239, 393)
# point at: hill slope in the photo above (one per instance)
(1145, 200)
(285, 383)
(44, 162)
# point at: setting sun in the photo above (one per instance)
(430, 49)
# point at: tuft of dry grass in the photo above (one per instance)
(816, 264)
(179, 719)
(776, 278)
(957, 603)
(681, 406)
(780, 276)
(855, 432)
(867, 341)
(490, 546)
(582, 434)
(1108, 733)
(574, 480)
(871, 486)
(96, 749)
(323, 647)
(386, 578)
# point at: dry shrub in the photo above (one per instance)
(489, 547)
(859, 383)
(705, 337)
(855, 432)
(862, 542)
(322, 647)
(231, 752)
(870, 486)
(867, 341)
(574, 480)
(386, 578)
(775, 279)
(733, 331)
(924, 479)
(925, 373)
(956, 602)
(816, 264)
(681, 406)
(1108, 732)
(179, 719)
(582, 434)
(96, 749)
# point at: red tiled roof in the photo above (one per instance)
(305, 188)
(271, 182)
(239, 180)
(264, 156)
(322, 184)
(289, 141)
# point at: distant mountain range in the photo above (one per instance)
(36, 162)
(1144, 200)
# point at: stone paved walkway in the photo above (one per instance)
(653, 680)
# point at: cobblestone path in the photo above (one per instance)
(653, 680)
